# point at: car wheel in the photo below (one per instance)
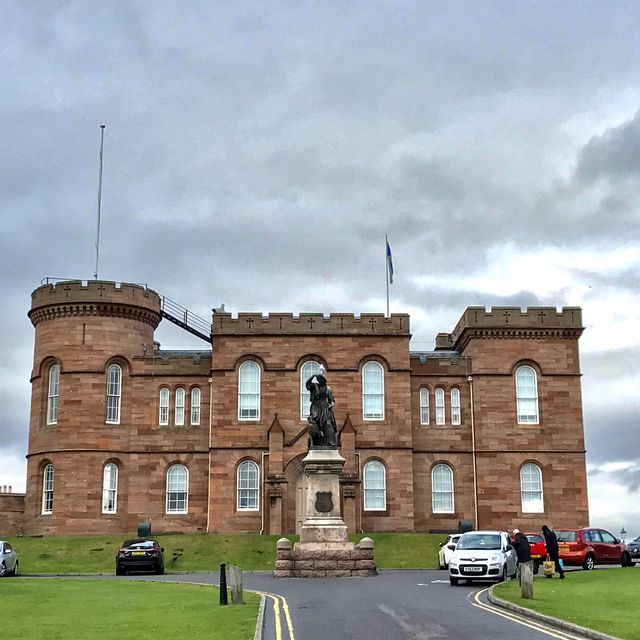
(503, 575)
(3, 570)
(15, 569)
(589, 562)
(625, 561)
(160, 570)
(120, 570)
(453, 581)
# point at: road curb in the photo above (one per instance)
(541, 617)
(260, 621)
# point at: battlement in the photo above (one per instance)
(515, 318)
(77, 297)
(308, 324)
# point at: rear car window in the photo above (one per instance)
(566, 536)
(532, 538)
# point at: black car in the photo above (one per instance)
(634, 550)
(140, 554)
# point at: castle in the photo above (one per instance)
(485, 429)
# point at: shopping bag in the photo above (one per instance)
(548, 567)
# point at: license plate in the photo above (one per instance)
(138, 553)
(473, 568)
(564, 549)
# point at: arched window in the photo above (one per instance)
(442, 489)
(179, 412)
(249, 391)
(110, 488)
(114, 389)
(163, 418)
(372, 391)
(455, 406)
(177, 489)
(424, 406)
(52, 396)
(248, 486)
(308, 369)
(47, 490)
(531, 488)
(527, 395)
(375, 489)
(195, 407)
(439, 405)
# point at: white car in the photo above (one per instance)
(446, 549)
(8, 560)
(483, 555)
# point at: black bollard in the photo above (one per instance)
(223, 585)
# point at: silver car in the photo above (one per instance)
(483, 555)
(446, 549)
(8, 560)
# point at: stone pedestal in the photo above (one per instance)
(323, 550)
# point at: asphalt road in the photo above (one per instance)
(412, 604)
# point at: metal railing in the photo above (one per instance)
(184, 318)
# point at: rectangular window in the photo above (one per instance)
(163, 418)
(439, 406)
(52, 403)
(179, 408)
(113, 394)
(455, 406)
(195, 407)
(424, 406)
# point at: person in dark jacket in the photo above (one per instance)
(551, 542)
(522, 549)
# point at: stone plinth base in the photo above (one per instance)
(324, 559)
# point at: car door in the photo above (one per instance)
(609, 547)
(512, 558)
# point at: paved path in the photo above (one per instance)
(411, 605)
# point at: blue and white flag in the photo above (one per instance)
(389, 263)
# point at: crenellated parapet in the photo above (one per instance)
(95, 298)
(345, 324)
(516, 322)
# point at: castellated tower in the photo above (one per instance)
(94, 410)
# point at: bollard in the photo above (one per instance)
(223, 585)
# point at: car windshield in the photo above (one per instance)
(486, 541)
(533, 538)
(139, 544)
(566, 536)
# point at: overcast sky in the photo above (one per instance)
(256, 154)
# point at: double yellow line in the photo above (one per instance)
(514, 617)
(280, 608)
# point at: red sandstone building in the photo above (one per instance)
(485, 428)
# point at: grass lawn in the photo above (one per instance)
(603, 600)
(66, 609)
(251, 552)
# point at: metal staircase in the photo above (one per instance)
(184, 318)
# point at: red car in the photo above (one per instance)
(589, 546)
(537, 548)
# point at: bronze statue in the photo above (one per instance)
(323, 433)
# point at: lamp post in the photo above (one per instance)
(623, 533)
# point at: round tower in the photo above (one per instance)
(87, 335)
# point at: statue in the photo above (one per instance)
(323, 433)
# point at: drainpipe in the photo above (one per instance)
(209, 447)
(264, 493)
(358, 501)
(473, 456)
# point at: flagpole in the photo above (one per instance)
(95, 275)
(386, 263)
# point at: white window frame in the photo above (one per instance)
(531, 488)
(114, 393)
(454, 396)
(196, 397)
(179, 407)
(442, 489)
(375, 492)
(309, 368)
(424, 405)
(249, 391)
(163, 409)
(177, 482)
(440, 415)
(53, 394)
(375, 396)
(248, 486)
(110, 488)
(47, 490)
(527, 395)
